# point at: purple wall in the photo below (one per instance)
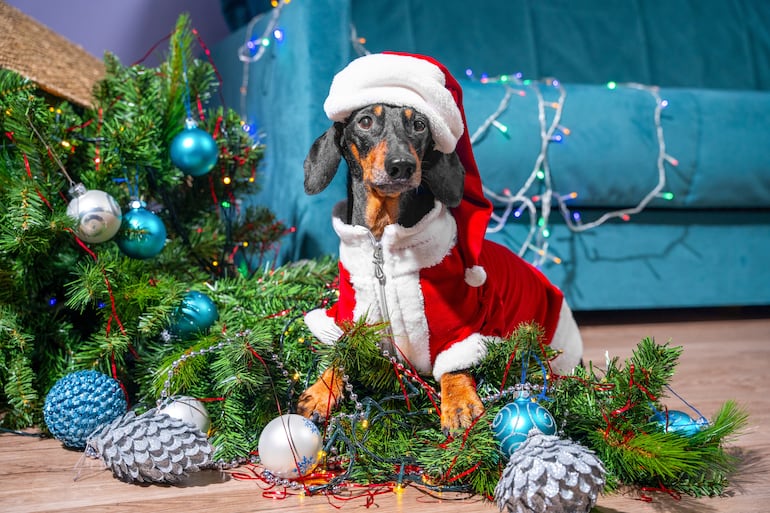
(127, 28)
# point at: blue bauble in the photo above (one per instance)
(195, 314)
(79, 403)
(514, 422)
(675, 421)
(142, 234)
(194, 151)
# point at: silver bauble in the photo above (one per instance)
(97, 213)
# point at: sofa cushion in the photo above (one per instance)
(609, 158)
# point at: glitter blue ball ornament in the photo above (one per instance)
(193, 150)
(79, 403)
(675, 421)
(516, 420)
(195, 314)
(142, 234)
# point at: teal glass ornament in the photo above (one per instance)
(193, 150)
(675, 421)
(194, 315)
(81, 402)
(142, 234)
(516, 420)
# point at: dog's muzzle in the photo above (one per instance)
(401, 173)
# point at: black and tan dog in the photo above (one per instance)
(403, 243)
(395, 178)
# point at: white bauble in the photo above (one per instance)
(290, 446)
(189, 410)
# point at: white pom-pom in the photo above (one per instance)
(475, 276)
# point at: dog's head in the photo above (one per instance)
(390, 154)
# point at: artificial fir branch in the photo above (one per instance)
(608, 412)
(715, 463)
(16, 370)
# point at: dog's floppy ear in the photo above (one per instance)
(445, 176)
(323, 159)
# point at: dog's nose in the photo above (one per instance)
(400, 168)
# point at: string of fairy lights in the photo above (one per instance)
(536, 199)
(254, 48)
(538, 204)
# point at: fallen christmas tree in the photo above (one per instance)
(387, 429)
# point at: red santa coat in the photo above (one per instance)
(439, 322)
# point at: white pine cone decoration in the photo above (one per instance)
(151, 447)
(550, 474)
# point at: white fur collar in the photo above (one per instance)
(407, 250)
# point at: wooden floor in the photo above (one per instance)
(726, 357)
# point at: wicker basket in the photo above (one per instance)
(54, 63)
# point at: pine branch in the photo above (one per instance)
(20, 393)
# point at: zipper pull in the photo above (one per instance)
(378, 261)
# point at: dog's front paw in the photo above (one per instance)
(323, 395)
(460, 404)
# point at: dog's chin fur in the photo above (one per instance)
(392, 189)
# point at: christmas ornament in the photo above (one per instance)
(187, 409)
(79, 403)
(97, 213)
(193, 150)
(678, 422)
(516, 420)
(142, 234)
(290, 446)
(151, 447)
(195, 314)
(549, 474)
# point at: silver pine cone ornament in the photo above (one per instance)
(550, 474)
(150, 448)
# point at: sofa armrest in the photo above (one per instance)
(285, 90)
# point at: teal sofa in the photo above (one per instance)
(701, 240)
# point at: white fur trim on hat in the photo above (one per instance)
(398, 80)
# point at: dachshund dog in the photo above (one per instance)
(395, 176)
(398, 183)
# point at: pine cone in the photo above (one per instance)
(550, 474)
(151, 447)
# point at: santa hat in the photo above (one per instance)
(424, 84)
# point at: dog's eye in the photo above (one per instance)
(419, 125)
(365, 122)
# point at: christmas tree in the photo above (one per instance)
(73, 294)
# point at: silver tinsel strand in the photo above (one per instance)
(150, 448)
(550, 474)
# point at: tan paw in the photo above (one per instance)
(322, 396)
(460, 404)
